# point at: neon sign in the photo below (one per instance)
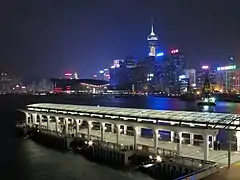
(68, 74)
(174, 51)
(205, 67)
(225, 68)
(160, 54)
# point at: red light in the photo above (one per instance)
(68, 74)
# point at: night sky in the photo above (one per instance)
(49, 37)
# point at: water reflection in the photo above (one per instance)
(157, 103)
(207, 108)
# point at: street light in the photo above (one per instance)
(89, 143)
(158, 159)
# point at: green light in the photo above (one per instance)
(225, 68)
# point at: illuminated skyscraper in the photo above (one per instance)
(174, 67)
(152, 41)
(104, 75)
(191, 75)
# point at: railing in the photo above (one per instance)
(187, 161)
(104, 144)
(202, 173)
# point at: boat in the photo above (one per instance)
(207, 101)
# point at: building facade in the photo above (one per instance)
(174, 67)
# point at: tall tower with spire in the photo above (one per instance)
(152, 41)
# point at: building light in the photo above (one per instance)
(160, 54)
(116, 64)
(225, 68)
(149, 79)
(174, 51)
(182, 77)
(205, 67)
(68, 74)
(94, 86)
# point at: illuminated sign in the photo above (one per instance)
(160, 54)
(68, 74)
(225, 68)
(182, 77)
(205, 67)
(174, 51)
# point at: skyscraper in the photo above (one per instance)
(191, 75)
(174, 67)
(152, 41)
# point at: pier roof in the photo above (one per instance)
(217, 120)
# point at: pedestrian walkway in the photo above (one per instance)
(187, 150)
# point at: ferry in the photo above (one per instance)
(207, 101)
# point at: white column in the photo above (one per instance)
(125, 129)
(117, 133)
(206, 147)
(40, 121)
(26, 118)
(77, 126)
(172, 136)
(102, 131)
(112, 128)
(34, 116)
(136, 135)
(56, 123)
(66, 125)
(155, 140)
(229, 148)
(89, 129)
(48, 122)
(238, 140)
(213, 140)
(191, 138)
(179, 144)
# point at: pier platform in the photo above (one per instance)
(192, 134)
(187, 150)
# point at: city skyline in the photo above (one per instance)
(44, 37)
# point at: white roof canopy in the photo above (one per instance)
(167, 115)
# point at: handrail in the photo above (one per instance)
(195, 172)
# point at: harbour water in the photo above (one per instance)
(24, 159)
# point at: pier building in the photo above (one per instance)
(123, 126)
